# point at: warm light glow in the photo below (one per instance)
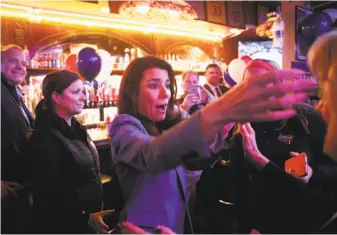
(143, 9)
(40, 15)
(105, 9)
(154, 10)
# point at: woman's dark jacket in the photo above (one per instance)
(259, 203)
(65, 175)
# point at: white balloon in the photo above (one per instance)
(236, 68)
(106, 67)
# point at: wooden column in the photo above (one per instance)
(288, 15)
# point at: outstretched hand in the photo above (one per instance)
(266, 97)
(248, 139)
(9, 189)
(96, 221)
(130, 228)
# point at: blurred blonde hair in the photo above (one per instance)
(188, 72)
(322, 60)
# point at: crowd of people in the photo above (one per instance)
(238, 139)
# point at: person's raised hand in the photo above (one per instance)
(189, 101)
(96, 221)
(130, 228)
(265, 97)
(9, 189)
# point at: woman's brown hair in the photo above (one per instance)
(129, 88)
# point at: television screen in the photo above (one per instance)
(261, 50)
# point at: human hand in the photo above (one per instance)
(306, 178)
(189, 100)
(227, 128)
(252, 152)
(130, 228)
(265, 98)
(9, 188)
(205, 95)
(96, 221)
(248, 139)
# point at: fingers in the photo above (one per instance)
(243, 130)
(307, 87)
(250, 129)
(96, 221)
(273, 115)
(129, 228)
(11, 191)
(100, 225)
(14, 185)
(106, 212)
(280, 103)
(164, 230)
(294, 154)
(274, 77)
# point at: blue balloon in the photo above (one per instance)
(89, 63)
(228, 79)
(316, 24)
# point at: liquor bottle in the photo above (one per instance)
(278, 31)
(27, 56)
(53, 60)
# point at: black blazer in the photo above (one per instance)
(223, 89)
(16, 213)
(14, 136)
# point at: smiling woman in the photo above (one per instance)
(63, 162)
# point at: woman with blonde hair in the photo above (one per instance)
(195, 96)
(322, 60)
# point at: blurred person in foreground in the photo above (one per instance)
(316, 208)
(248, 203)
(151, 144)
(64, 162)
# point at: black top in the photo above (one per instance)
(278, 207)
(64, 173)
(14, 130)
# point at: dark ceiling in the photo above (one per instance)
(315, 5)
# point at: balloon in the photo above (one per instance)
(88, 63)
(246, 58)
(316, 24)
(305, 43)
(107, 65)
(236, 69)
(228, 79)
(70, 64)
(332, 13)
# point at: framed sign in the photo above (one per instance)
(215, 12)
(250, 12)
(199, 7)
(235, 16)
(262, 12)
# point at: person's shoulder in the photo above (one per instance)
(41, 136)
(306, 108)
(123, 121)
(223, 88)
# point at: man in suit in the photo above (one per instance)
(16, 122)
(213, 76)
